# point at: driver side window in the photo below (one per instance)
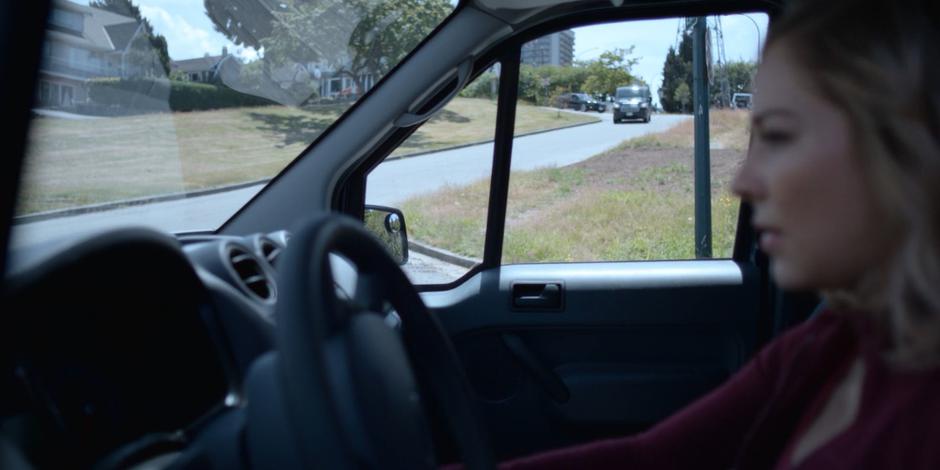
(440, 179)
(603, 154)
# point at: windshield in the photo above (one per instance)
(631, 92)
(174, 114)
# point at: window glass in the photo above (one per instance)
(440, 178)
(623, 188)
(586, 188)
(174, 114)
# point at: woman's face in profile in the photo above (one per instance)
(817, 216)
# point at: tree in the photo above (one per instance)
(533, 80)
(683, 96)
(352, 38)
(127, 8)
(388, 31)
(677, 70)
(739, 75)
(244, 22)
(610, 70)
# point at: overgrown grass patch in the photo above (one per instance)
(728, 129)
(453, 218)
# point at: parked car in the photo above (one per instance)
(270, 330)
(580, 102)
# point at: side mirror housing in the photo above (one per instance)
(388, 225)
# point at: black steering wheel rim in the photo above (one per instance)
(323, 359)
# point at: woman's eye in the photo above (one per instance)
(775, 137)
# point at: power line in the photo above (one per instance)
(725, 84)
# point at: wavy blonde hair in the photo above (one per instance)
(879, 62)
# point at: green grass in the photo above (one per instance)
(728, 129)
(80, 162)
(635, 223)
(453, 218)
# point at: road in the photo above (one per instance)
(397, 180)
(389, 184)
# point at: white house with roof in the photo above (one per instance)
(84, 43)
(203, 69)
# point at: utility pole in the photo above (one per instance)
(703, 202)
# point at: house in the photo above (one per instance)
(292, 83)
(202, 69)
(85, 43)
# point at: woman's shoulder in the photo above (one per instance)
(819, 329)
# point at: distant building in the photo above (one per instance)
(554, 49)
(83, 43)
(201, 69)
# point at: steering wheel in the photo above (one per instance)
(350, 382)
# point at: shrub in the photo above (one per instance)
(149, 95)
(482, 87)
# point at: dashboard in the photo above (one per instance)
(133, 336)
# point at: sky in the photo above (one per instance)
(651, 40)
(190, 34)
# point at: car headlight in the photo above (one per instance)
(644, 104)
(617, 105)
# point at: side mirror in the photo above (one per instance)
(388, 225)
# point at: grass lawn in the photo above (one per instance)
(79, 162)
(634, 202)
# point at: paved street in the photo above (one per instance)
(397, 180)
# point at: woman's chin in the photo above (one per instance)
(788, 277)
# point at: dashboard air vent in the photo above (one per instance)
(250, 273)
(269, 250)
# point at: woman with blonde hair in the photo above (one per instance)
(843, 174)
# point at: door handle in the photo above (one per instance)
(541, 296)
(463, 77)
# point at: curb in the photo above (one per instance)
(443, 255)
(106, 206)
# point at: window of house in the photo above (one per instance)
(45, 93)
(54, 98)
(65, 19)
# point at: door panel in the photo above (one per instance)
(632, 343)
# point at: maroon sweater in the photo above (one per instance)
(753, 419)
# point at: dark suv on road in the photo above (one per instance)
(633, 102)
(580, 102)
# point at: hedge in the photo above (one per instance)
(166, 95)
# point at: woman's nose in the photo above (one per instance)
(747, 183)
